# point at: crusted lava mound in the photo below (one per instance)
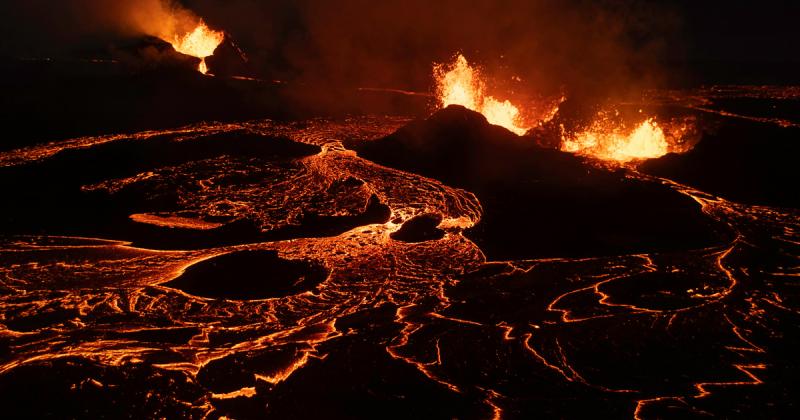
(246, 275)
(746, 161)
(539, 202)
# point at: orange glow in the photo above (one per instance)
(604, 141)
(200, 43)
(459, 83)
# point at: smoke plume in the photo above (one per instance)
(43, 27)
(588, 46)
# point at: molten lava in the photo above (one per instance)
(200, 43)
(646, 141)
(459, 83)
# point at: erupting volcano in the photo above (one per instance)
(458, 83)
(200, 42)
(569, 225)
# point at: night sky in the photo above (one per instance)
(392, 43)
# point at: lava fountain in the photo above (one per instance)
(200, 42)
(607, 138)
(647, 140)
(458, 83)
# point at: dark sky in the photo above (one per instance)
(741, 30)
(394, 42)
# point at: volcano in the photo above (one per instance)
(540, 202)
(328, 221)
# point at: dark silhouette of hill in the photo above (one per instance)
(541, 202)
(742, 160)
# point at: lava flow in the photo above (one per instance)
(268, 242)
(458, 83)
(200, 42)
(245, 267)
